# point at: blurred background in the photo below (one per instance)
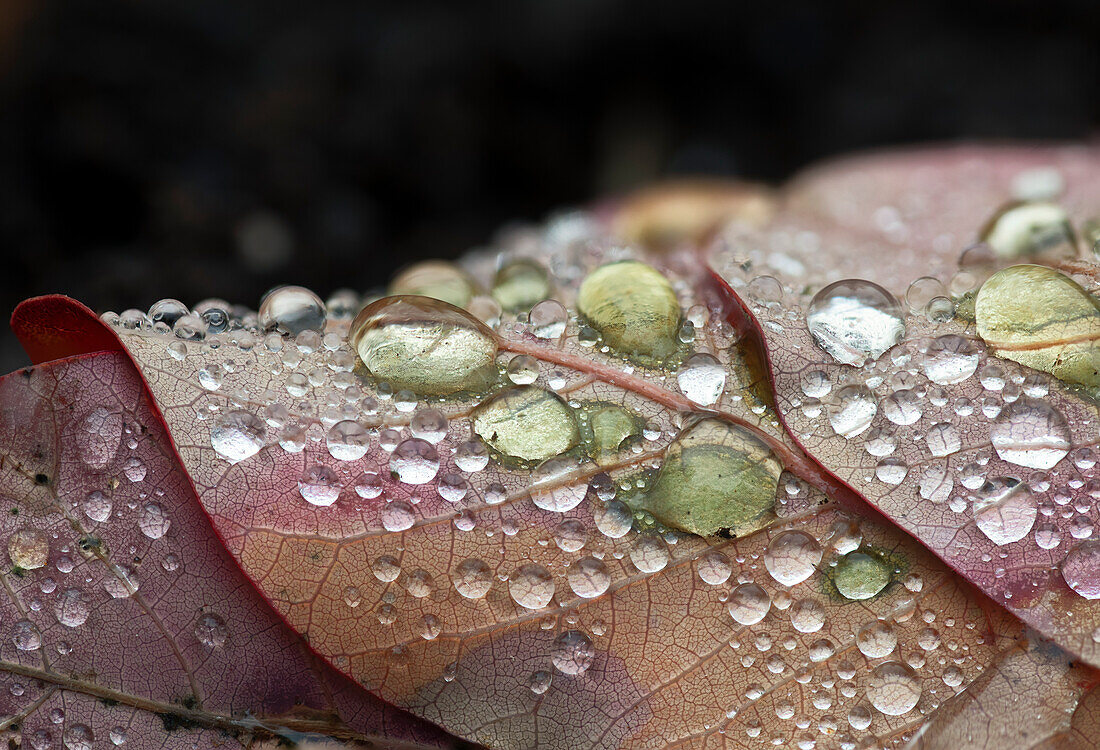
(214, 148)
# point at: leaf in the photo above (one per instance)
(502, 560)
(124, 622)
(989, 464)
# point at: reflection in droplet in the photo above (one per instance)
(893, 689)
(1005, 510)
(855, 321)
(1031, 433)
(792, 557)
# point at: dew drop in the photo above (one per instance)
(424, 345)
(702, 379)
(398, 516)
(415, 461)
(1031, 433)
(855, 321)
(154, 521)
(292, 309)
(237, 435)
(807, 615)
(520, 284)
(527, 422)
(649, 553)
(473, 579)
(436, 279)
(102, 433)
(748, 604)
(348, 440)
(572, 653)
(1005, 510)
(714, 568)
(877, 639)
(531, 586)
(633, 307)
(852, 410)
(792, 557)
(28, 549)
(319, 485)
(1081, 569)
(26, 636)
(72, 608)
(555, 485)
(893, 689)
(548, 319)
(588, 577)
(860, 576)
(210, 630)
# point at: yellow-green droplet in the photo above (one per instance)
(633, 307)
(424, 345)
(527, 423)
(716, 476)
(1041, 318)
(438, 280)
(520, 284)
(607, 427)
(1030, 228)
(859, 576)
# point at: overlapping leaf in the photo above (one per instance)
(125, 623)
(914, 433)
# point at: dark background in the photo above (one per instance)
(197, 148)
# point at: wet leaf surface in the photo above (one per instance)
(124, 621)
(663, 513)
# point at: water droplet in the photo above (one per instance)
(951, 359)
(531, 586)
(520, 284)
(523, 369)
(348, 440)
(415, 461)
(292, 309)
(398, 516)
(943, 439)
(102, 434)
(714, 568)
(852, 410)
(154, 521)
(1024, 228)
(72, 608)
(237, 435)
(893, 689)
(471, 456)
(859, 717)
(548, 319)
(552, 488)
(78, 737)
(613, 519)
(134, 469)
(572, 653)
(748, 604)
(792, 557)
(527, 422)
(588, 577)
(425, 346)
(473, 578)
(807, 615)
(877, 639)
(649, 553)
(715, 476)
(1031, 433)
(26, 636)
(855, 321)
(319, 485)
(436, 279)
(922, 291)
(1081, 569)
(1005, 510)
(29, 549)
(702, 379)
(210, 630)
(633, 307)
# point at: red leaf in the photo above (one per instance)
(124, 619)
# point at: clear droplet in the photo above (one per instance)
(319, 485)
(29, 549)
(71, 608)
(211, 631)
(748, 604)
(527, 422)
(237, 435)
(473, 578)
(520, 284)
(852, 410)
(951, 359)
(1081, 569)
(893, 689)
(572, 653)
(415, 461)
(588, 577)
(1005, 510)
(792, 557)
(855, 321)
(633, 307)
(531, 586)
(702, 379)
(877, 639)
(292, 309)
(1031, 433)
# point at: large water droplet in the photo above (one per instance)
(348, 440)
(588, 577)
(237, 435)
(633, 307)
(702, 379)
(1005, 510)
(154, 521)
(748, 604)
(72, 608)
(436, 279)
(398, 516)
(572, 653)
(102, 433)
(715, 476)
(649, 553)
(1043, 319)
(424, 345)
(792, 557)
(852, 410)
(527, 422)
(951, 359)
(893, 689)
(859, 576)
(520, 284)
(473, 579)
(555, 485)
(531, 586)
(319, 485)
(1081, 569)
(807, 615)
(877, 639)
(292, 309)
(855, 321)
(26, 636)
(1024, 228)
(211, 631)
(415, 461)
(1031, 433)
(29, 549)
